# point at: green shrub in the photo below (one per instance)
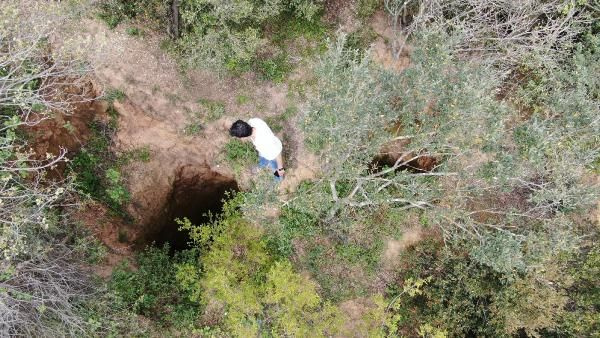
(192, 129)
(583, 317)
(221, 36)
(98, 169)
(114, 94)
(288, 27)
(254, 291)
(465, 297)
(275, 69)
(240, 154)
(242, 99)
(277, 122)
(153, 13)
(133, 31)
(117, 194)
(292, 224)
(85, 165)
(151, 290)
(361, 39)
(112, 13)
(366, 8)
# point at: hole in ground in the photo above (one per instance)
(418, 165)
(195, 193)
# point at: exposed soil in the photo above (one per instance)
(395, 150)
(113, 231)
(161, 102)
(382, 52)
(66, 130)
(394, 248)
(342, 13)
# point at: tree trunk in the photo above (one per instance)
(174, 20)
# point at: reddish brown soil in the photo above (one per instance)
(65, 130)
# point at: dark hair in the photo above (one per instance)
(240, 128)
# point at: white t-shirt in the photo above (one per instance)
(265, 142)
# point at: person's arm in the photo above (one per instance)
(279, 160)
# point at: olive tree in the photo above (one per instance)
(501, 32)
(494, 170)
(227, 34)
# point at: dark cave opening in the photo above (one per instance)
(192, 197)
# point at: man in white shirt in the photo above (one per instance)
(269, 147)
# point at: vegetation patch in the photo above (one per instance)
(277, 122)
(152, 290)
(240, 154)
(275, 69)
(98, 169)
(214, 109)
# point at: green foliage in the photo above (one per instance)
(153, 13)
(240, 154)
(151, 290)
(116, 192)
(133, 31)
(291, 225)
(110, 14)
(462, 296)
(289, 27)
(114, 94)
(277, 122)
(99, 171)
(350, 79)
(192, 129)
(227, 36)
(294, 305)
(92, 248)
(366, 8)
(242, 99)
(583, 317)
(361, 39)
(214, 109)
(502, 252)
(275, 69)
(343, 271)
(254, 292)
(85, 164)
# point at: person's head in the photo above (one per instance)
(240, 128)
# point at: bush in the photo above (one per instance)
(463, 297)
(219, 36)
(98, 170)
(151, 290)
(247, 290)
(291, 225)
(583, 313)
(366, 8)
(214, 109)
(152, 13)
(240, 154)
(275, 69)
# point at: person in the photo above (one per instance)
(269, 147)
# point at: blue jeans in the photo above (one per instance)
(272, 165)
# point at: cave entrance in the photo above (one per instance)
(194, 195)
